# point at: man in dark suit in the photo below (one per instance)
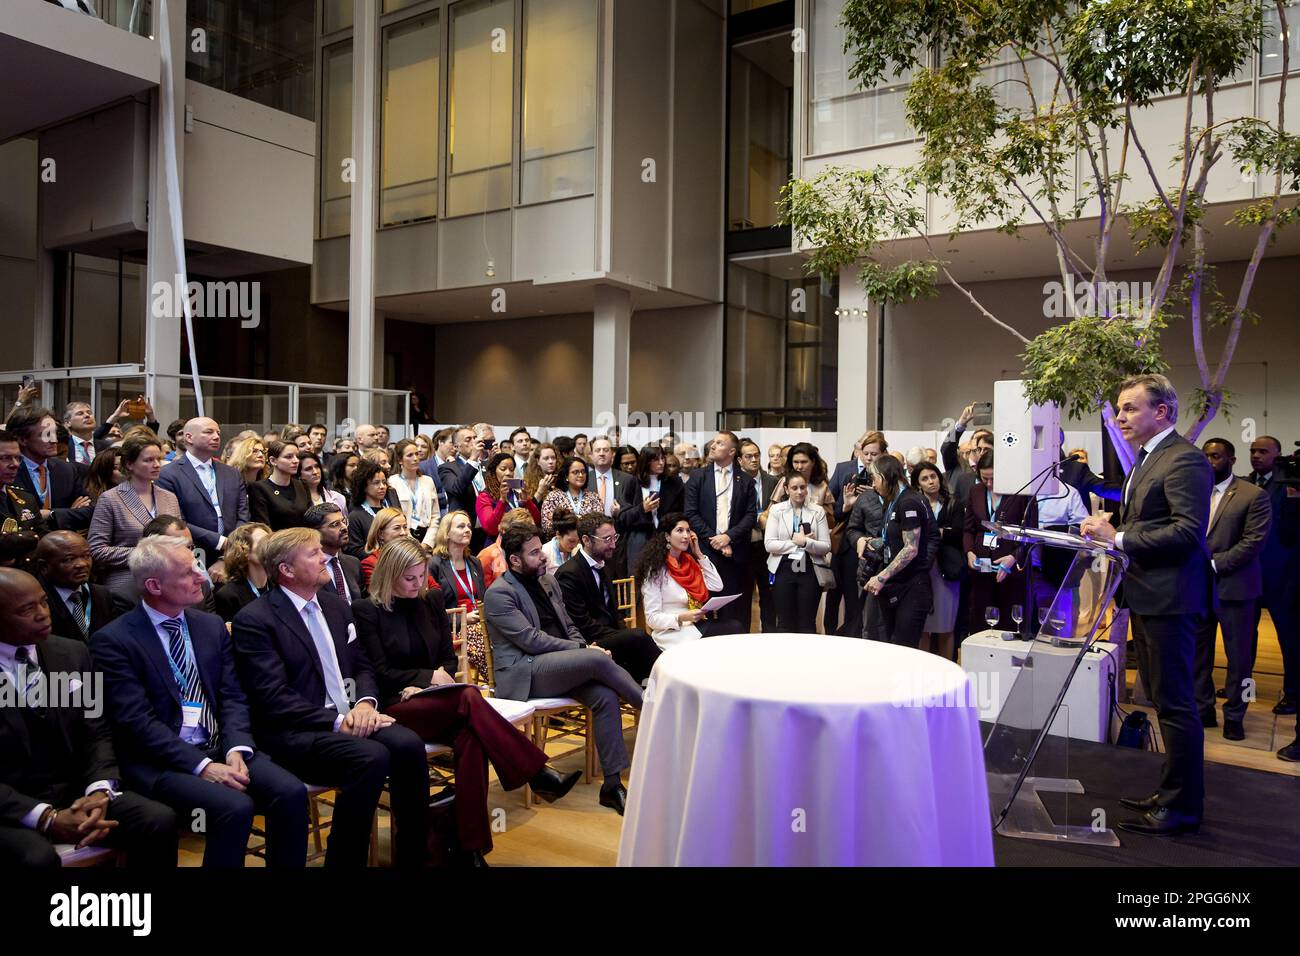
(20, 513)
(78, 607)
(344, 569)
(315, 703)
(1163, 518)
(1239, 518)
(212, 495)
(961, 475)
(751, 463)
(180, 720)
(54, 481)
(462, 478)
(537, 652)
(83, 446)
(58, 773)
(607, 482)
(1280, 563)
(592, 604)
(720, 507)
(430, 466)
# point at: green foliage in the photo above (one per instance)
(1152, 227)
(1258, 148)
(1080, 363)
(1203, 401)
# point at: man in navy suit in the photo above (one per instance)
(462, 477)
(315, 703)
(721, 508)
(56, 482)
(180, 720)
(213, 498)
(431, 465)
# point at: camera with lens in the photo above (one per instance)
(1288, 467)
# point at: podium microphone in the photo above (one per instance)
(1045, 472)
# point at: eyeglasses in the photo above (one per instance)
(606, 538)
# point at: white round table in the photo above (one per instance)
(803, 750)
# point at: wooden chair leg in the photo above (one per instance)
(314, 807)
(589, 769)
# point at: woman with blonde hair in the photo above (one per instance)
(245, 576)
(389, 525)
(403, 627)
(248, 457)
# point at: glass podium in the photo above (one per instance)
(1020, 767)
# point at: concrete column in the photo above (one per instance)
(611, 351)
(162, 334)
(857, 363)
(364, 349)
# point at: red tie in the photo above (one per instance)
(338, 580)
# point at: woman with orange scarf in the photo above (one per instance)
(675, 580)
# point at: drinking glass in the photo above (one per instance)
(1017, 615)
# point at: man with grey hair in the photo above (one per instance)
(367, 437)
(1163, 516)
(183, 729)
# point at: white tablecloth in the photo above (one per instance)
(800, 750)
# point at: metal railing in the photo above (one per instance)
(237, 403)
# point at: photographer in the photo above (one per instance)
(906, 548)
(866, 518)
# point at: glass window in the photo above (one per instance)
(338, 15)
(481, 103)
(336, 141)
(409, 137)
(762, 81)
(842, 115)
(261, 52)
(559, 146)
(391, 5)
(1270, 58)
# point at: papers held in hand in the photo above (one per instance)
(721, 601)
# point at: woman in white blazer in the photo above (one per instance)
(797, 542)
(676, 580)
(417, 495)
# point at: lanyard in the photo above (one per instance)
(253, 587)
(467, 585)
(365, 506)
(189, 654)
(988, 498)
(576, 502)
(796, 519)
(41, 488)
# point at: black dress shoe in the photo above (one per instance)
(550, 784)
(614, 797)
(472, 859)
(1233, 730)
(1141, 806)
(1287, 705)
(1222, 692)
(1291, 752)
(1209, 720)
(1162, 822)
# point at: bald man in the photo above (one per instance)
(367, 437)
(212, 495)
(78, 607)
(58, 770)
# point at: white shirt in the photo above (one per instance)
(723, 479)
(1150, 446)
(298, 604)
(205, 468)
(156, 618)
(1064, 507)
(1216, 499)
(9, 668)
(595, 570)
(65, 595)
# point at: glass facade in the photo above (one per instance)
(760, 118)
(335, 15)
(336, 170)
(842, 115)
(408, 178)
(1270, 54)
(259, 51)
(559, 105)
(481, 106)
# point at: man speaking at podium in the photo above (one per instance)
(1163, 515)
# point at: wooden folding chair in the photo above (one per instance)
(625, 593)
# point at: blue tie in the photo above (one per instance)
(188, 668)
(207, 474)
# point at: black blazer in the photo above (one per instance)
(445, 575)
(231, 598)
(457, 479)
(1164, 526)
(407, 644)
(281, 672)
(701, 494)
(351, 567)
(276, 506)
(22, 506)
(593, 610)
(951, 522)
(64, 480)
(88, 739)
(105, 607)
(144, 702)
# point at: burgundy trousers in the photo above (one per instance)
(462, 719)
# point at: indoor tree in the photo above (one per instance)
(1079, 80)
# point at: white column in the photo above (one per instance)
(162, 334)
(611, 351)
(857, 363)
(361, 248)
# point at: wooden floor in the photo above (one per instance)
(578, 831)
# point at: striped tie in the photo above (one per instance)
(189, 670)
(28, 674)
